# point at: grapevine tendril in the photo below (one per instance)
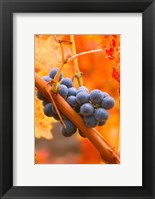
(54, 104)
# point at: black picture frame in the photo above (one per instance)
(7, 8)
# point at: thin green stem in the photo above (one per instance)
(57, 76)
(76, 67)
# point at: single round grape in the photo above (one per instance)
(82, 97)
(81, 134)
(63, 90)
(86, 109)
(45, 101)
(82, 89)
(40, 96)
(53, 72)
(101, 114)
(108, 102)
(96, 96)
(67, 82)
(48, 110)
(105, 94)
(101, 123)
(72, 101)
(90, 121)
(69, 130)
(72, 91)
(46, 78)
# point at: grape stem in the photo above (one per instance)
(63, 61)
(48, 89)
(108, 154)
(76, 66)
(56, 78)
(83, 53)
(78, 74)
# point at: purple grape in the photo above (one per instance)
(63, 90)
(69, 130)
(48, 110)
(86, 109)
(104, 94)
(82, 89)
(81, 134)
(72, 91)
(101, 123)
(53, 72)
(40, 96)
(108, 102)
(55, 116)
(45, 102)
(90, 121)
(96, 96)
(53, 109)
(101, 114)
(67, 82)
(82, 97)
(46, 78)
(72, 101)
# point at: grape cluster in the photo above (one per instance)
(92, 107)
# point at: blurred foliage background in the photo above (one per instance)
(100, 71)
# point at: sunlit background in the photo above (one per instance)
(100, 71)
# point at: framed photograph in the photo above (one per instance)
(77, 99)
